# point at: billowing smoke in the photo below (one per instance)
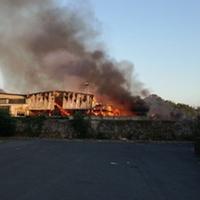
(44, 46)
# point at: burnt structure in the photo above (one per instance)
(48, 103)
(65, 103)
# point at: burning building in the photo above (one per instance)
(50, 103)
(61, 103)
(58, 47)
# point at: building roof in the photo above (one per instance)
(60, 91)
(5, 93)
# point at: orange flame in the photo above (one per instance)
(109, 110)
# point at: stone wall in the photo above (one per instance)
(108, 129)
(144, 130)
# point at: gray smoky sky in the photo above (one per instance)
(44, 46)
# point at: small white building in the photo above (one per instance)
(14, 103)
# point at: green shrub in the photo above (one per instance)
(7, 124)
(81, 124)
(197, 127)
(34, 126)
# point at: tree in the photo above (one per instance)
(7, 124)
(81, 124)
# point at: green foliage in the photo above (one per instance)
(197, 127)
(198, 111)
(103, 136)
(181, 110)
(81, 125)
(7, 124)
(187, 109)
(34, 126)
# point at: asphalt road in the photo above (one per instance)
(91, 170)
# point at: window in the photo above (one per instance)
(3, 101)
(17, 101)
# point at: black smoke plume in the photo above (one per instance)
(44, 46)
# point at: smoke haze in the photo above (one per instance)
(45, 47)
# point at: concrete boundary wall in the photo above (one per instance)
(108, 129)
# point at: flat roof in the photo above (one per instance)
(5, 93)
(49, 91)
(61, 91)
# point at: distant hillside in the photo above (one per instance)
(167, 110)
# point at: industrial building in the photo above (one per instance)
(48, 103)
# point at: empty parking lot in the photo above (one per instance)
(61, 169)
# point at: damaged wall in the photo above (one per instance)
(45, 102)
(67, 100)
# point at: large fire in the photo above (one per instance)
(98, 106)
(98, 110)
(66, 103)
(60, 49)
(110, 109)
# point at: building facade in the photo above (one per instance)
(46, 103)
